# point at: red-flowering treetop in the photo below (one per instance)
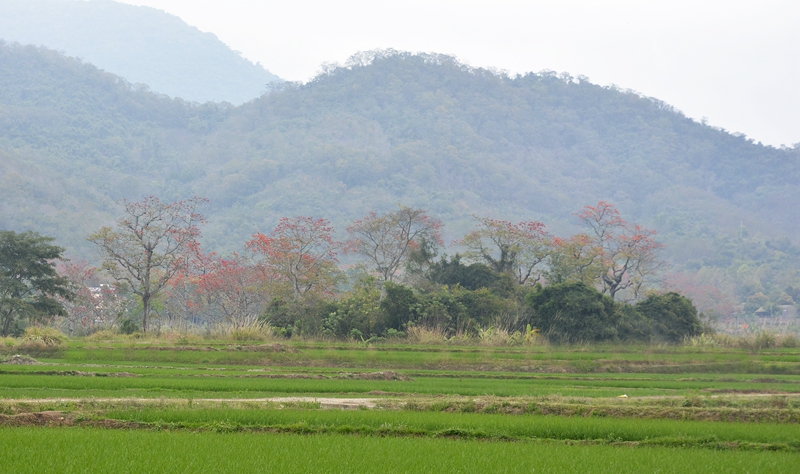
(517, 249)
(576, 258)
(235, 289)
(387, 241)
(301, 253)
(628, 251)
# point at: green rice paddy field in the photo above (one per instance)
(154, 406)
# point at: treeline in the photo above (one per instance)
(511, 280)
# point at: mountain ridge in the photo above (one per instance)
(142, 44)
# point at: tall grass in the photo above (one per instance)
(756, 341)
(42, 336)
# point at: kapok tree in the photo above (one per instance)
(300, 253)
(235, 289)
(388, 240)
(574, 259)
(149, 245)
(516, 249)
(183, 299)
(628, 251)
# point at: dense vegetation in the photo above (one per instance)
(422, 130)
(144, 45)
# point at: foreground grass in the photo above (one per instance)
(716, 435)
(72, 450)
(439, 408)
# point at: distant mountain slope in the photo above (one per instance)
(141, 44)
(429, 131)
(74, 138)
(389, 128)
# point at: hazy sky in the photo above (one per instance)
(735, 62)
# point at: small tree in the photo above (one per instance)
(516, 249)
(388, 240)
(150, 245)
(29, 283)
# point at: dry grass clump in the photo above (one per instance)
(180, 337)
(254, 332)
(426, 335)
(768, 340)
(44, 336)
(757, 341)
(492, 336)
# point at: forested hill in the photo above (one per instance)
(429, 131)
(388, 128)
(141, 44)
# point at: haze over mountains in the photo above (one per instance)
(141, 44)
(422, 130)
(394, 128)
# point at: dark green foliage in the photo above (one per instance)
(29, 283)
(129, 326)
(632, 326)
(674, 316)
(303, 317)
(573, 313)
(398, 306)
(470, 277)
(357, 313)
(483, 307)
(576, 312)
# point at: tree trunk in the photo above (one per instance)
(7, 323)
(145, 311)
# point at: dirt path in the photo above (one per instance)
(341, 403)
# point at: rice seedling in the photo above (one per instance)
(73, 450)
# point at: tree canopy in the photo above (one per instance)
(29, 283)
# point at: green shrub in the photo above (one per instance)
(471, 277)
(674, 317)
(633, 325)
(397, 307)
(104, 335)
(304, 317)
(128, 326)
(573, 313)
(8, 342)
(356, 314)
